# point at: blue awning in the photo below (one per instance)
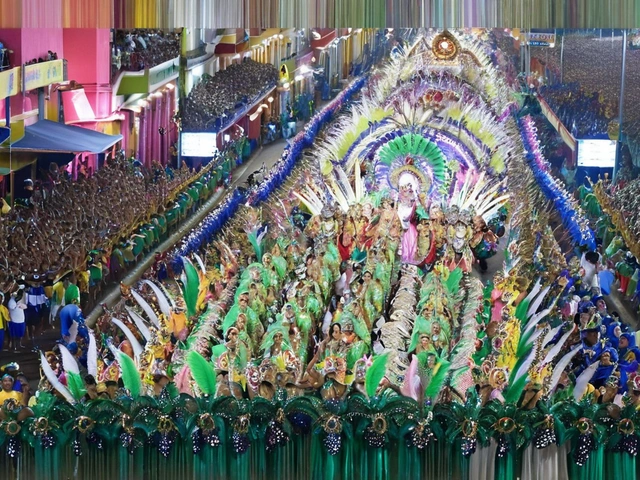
(4, 134)
(48, 136)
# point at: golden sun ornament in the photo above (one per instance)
(445, 46)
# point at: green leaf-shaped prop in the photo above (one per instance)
(130, 375)
(202, 372)
(375, 374)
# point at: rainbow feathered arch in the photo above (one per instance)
(413, 153)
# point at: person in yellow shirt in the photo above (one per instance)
(57, 300)
(4, 320)
(7, 391)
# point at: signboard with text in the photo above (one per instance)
(541, 39)
(9, 82)
(164, 72)
(597, 153)
(198, 144)
(42, 74)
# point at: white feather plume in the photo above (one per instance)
(534, 320)
(358, 183)
(533, 308)
(326, 322)
(92, 356)
(53, 380)
(524, 368)
(338, 195)
(534, 291)
(69, 363)
(166, 293)
(535, 336)
(146, 307)
(551, 335)
(203, 269)
(73, 332)
(163, 303)
(313, 208)
(582, 382)
(140, 323)
(551, 354)
(561, 367)
(344, 184)
(135, 344)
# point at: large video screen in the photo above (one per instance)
(198, 144)
(597, 153)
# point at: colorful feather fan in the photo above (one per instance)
(424, 156)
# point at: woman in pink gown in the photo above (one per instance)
(406, 212)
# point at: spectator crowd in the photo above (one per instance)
(212, 103)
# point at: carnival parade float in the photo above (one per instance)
(332, 323)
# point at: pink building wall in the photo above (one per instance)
(36, 42)
(12, 39)
(88, 62)
(28, 44)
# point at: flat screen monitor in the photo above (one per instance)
(597, 153)
(198, 144)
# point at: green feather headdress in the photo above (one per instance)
(255, 242)
(268, 341)
(421, 326)
(453, 281)
(246, 274)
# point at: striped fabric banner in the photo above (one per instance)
(557, 124)
(79, 13)
(168, 14)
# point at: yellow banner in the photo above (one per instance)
(43, 74)
(9, 82)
